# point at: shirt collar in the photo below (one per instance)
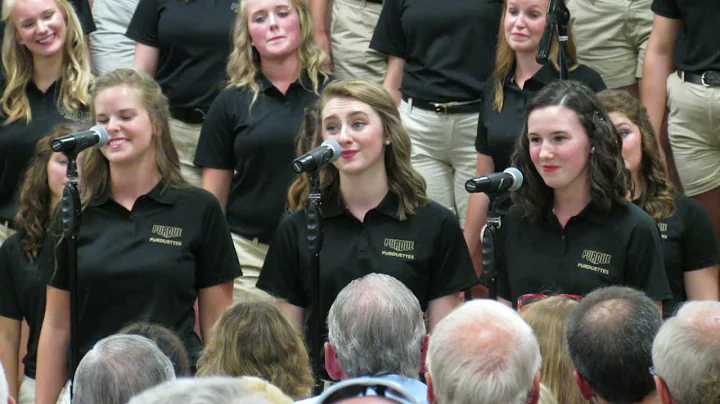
(546, 75)
(160, 193)
(334, 206)
(591, 213)
(265, 84)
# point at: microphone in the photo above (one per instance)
(550, 23)
(327, 152)
(75, 142)
(511, 180)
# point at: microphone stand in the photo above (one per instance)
(489, 249)
(557, 19)
(314, 235)
(71, 215)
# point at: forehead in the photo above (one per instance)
(528, 3)
(28, 8)
(117, 98)
(554, 119)
(253, 6)
(341, 106)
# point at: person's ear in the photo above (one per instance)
(662, 390)
(430, 393)
(585, 390)
(535, 396)
(11, 400)
(423, 353)
(332, 364)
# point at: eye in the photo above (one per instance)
(101, 120)
(358, 124)
(259, 19)
(331, 129)
(559, 139)
(534, 140)
(283, 13)
(512, 11)
(48, 15)
(624, 133)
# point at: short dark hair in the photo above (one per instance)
(168, 342)
(610, 336)
(609, 179)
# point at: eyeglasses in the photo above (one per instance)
(525, 300)
(365, 386)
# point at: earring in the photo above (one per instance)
(592, 150)
(387, 143)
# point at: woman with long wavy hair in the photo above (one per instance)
(47, 81)
(572, 229)
(247, 141)
(149, 246)
(22, 283)
(691, 255)
(376, 215)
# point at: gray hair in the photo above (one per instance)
(483, 352)
(376, 326)
(4, 388)
(118, 367)
(686, 353)
(214, 390)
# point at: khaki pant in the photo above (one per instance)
(251, 254)
(443, 151)
(611, 37)
(694, 132)
(26, 394)
(185, 136)
(5, 232)
(352, 27)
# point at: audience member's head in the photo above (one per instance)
(4, 388)
(254, 338)
(610, 337)
(548, 319)
(168, 342)
(375, 327)
(214, 390)
(366, 390)
(483, 352)
(686, 355)
(117, 368)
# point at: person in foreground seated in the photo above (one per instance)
(168, 342)
(118, 367)
(376, 328)
(610, 336)
(4, 391)
(483, 352)
(686, 355)
(367, 390)
(214, 390)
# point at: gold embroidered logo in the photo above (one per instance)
(400, 245)
(166, 232)
(596, 258)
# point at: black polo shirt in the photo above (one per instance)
(448, 49)
(194, 39)
(594, 249)
(257, 141)
(689, 244)
(22, 293)
(148, 264)
(498, 131)
(426, 252)
(83, 11)
(18, 140)
(696, 48)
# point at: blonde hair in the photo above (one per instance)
(406, 183)
(17, 61)
(254, 338)
(244, 62)
(505, 59)
(548, 319)
(166, 157)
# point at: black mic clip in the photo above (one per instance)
(557, 18)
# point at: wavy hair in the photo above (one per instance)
(303, 144)
(406, 183)
(656, 197)
(244, 61)
(505, 59)
(254, 338)
(156, 105)
(548, 318)
(17, 61)
(608, 178)
(34, 210)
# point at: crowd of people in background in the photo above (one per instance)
(194, 270)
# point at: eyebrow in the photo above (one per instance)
(358, 112)
(555, 132)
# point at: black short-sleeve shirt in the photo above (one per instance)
(194, 39)
(257, 141)
(22, 293)
(449, 49)
(426, 252)
(696, 48)
(148, 264)
(595, 249)
(498, 131)
(18, 140)
(689, 244)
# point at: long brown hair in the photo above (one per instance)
(303, 144)
(505, 59)
(254, 338)
(656, 197)
(166, 157)
(406, 183)
(548, 319)
(33, 216)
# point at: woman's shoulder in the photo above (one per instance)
(630, 214)
(588, 76)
